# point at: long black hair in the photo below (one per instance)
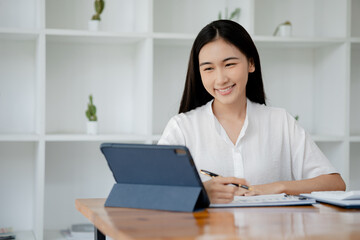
(195, 94)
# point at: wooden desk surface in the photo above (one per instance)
(320, 221)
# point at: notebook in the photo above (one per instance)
(350, 199)
(267, 201)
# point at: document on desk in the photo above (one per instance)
(350, 199)
(267, 201)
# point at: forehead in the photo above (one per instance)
(219, 50)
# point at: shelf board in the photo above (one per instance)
(296, 42)
(260, 41)
(63, 137)
(355, 40)
(173, 39)
(354, 138)
(19, 137)
(18, 34)
(355, 43)
(84, 36)
(326, 138)
(96, 138)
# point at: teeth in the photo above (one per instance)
(226, 89)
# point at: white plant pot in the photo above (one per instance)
(92, 127)
(94, 25)
(285, 31)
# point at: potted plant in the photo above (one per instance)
(95, 20)
(283, 29)
(92, 124)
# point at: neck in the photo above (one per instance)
(233, 111)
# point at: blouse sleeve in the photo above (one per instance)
(307, 159)
(172, 134)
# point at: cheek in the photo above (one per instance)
(240, 75)
(205, 80)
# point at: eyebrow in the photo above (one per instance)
(226, 59)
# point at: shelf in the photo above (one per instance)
(355, 40)
(355, 139)
(291, 75)
(296, 42)
(188, 16)
(324, 138)
(117, 77)
(261, 41)
(18, 84)
(135, 67)
(124, 138)
(117, 15)
(96, 138)
(18, 34)
(19, 137)
(166, 103)
(17, 178)
(310, 23)
(19, 14)
(83, 36)
(76, 170)
(174, 38)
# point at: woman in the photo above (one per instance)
(224, 121)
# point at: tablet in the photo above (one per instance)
(147, 173)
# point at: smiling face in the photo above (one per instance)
(224, 72)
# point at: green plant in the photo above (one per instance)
(99, 7)
(91, 110)
(281, 24)
(233, 16)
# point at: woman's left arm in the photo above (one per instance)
(327, 182)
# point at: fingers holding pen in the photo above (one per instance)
(223, 190)
(242, 186)
(218, 190)
(241, 182)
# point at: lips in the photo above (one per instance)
(225, 91)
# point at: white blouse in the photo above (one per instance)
(271, 146)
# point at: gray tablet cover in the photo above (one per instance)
(159, 177)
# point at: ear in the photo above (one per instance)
(251, 65)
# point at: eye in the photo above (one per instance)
(208, 69)
(230, 64)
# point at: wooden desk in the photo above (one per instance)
(320, 221)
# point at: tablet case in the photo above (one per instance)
(158, 177)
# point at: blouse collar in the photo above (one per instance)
(221, 131)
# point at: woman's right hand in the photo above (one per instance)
(221, 190)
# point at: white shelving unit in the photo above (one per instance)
(354, 110)
(135, 67)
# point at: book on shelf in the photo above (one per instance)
(7, 233)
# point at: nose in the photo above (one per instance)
(221, 77)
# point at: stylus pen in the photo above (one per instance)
(211, 174)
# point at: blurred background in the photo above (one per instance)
(132, 58)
